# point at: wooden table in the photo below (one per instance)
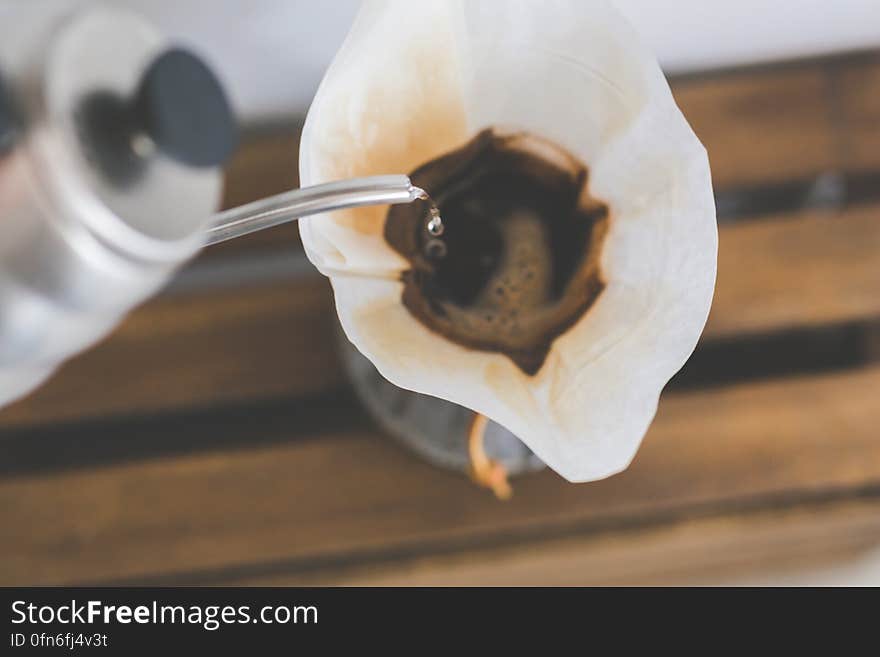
(213, 440)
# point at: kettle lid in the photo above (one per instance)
(135, 126)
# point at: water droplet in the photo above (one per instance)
(435, 224)
(435, 249)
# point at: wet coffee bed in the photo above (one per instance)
(518, 262)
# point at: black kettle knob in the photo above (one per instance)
(182, 107)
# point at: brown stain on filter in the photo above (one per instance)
(522, 242)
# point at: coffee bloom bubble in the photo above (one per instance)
(416, 81)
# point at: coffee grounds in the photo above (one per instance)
(519, 260)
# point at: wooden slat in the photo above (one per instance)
(765, 544)
(797, 270)
(264, 165)
(766, 126)
(276, 340)
(763, 127)
(353, 495)
(186, 352)
(858, 91)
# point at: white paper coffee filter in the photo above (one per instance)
(416, 80)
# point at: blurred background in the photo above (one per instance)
(214, 438)
(272, 53)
